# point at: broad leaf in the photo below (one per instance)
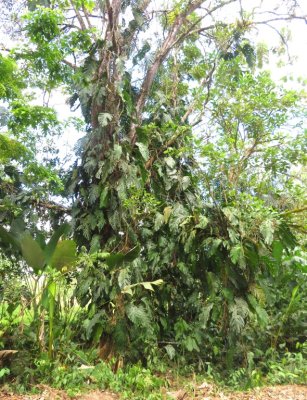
(8, 238)
(132, 254)
(167, 213)
(104, 119)
(18, 227)
(50, 248)
(277, 249)
(103, 201)
(267, 230)
(143, 150)
(32, 253)
(115, 260)
(170, 350)
(64, 255)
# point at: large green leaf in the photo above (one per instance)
(7, 238)
(132, 254)
(18, 227)
(115, 260)
(44, 301)
(65, 255)
(32, 252)
(277, 250)
(51, 246)
(143, 150)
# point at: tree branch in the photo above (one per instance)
(70, 64)
(287, 18)
(171, 40)
(162, 53)
(295, 211)
(51, 206)
(79, 17)
(86, 15)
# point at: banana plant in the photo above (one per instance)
(45, 259)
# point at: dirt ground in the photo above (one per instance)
(202, 392)
(53, 394)
(288, 392)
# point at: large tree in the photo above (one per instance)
(179, 127)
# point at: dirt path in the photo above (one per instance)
(288, 392)
(53, 394)
(203, 392)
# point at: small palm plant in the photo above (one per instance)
(47, 261)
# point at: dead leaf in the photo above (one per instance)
(179, 395)
(7, 353)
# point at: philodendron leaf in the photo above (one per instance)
(143, 150)
(65, 254)
(127, 290)
(51, 245)
(167, 213)
(157, 282)
(116, 259)
(32, 252)
(132, 254)
(237, 255)
(104, 119)
(146, 285)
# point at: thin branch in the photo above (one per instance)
(206, 28)
(51, 206)
(171, 40)
(162, 53)
(282, 39)
(64, 26)
(70, 64)
(79, 17)
(288, 18)
(294, 211)
(86, 15)
(272, 12)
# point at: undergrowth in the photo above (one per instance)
(79, 373)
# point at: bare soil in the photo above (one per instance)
(202, 392)
(209, 392)
(53, 394)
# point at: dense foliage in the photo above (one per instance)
(186, 198)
